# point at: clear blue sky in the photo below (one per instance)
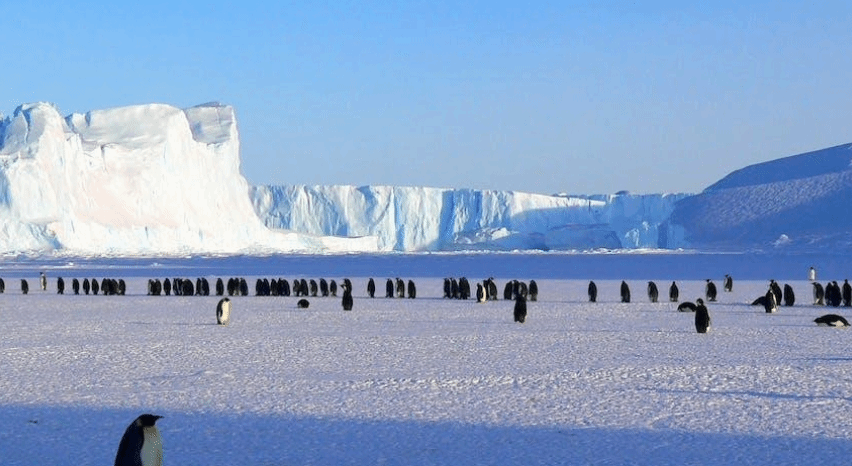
(547, 97)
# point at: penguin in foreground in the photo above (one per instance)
(831, 320)
(347, 299)
(223, 311)
(520, 309)
(702, 317)
(141, 444)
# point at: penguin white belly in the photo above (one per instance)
(152, 447)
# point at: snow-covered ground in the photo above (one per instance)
(428, 380)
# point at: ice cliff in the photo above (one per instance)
(433, 219)
(146, 179)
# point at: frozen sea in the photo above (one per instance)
(428, 381)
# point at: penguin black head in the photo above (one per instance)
(147, 420)
(700, 301)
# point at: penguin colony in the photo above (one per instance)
(832, 294)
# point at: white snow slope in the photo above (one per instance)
(796, 203)
(433, 219)
(425, 381)
(146, 179)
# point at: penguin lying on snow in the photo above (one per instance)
(686, 306)
(303, 304)
(831, 320)
(141, 444)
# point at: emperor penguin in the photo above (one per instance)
(702, 317)
(520, 309)
(831, 320)
(141, 444)
(729, 283)
(674, 293)
(710, 290)
(25, 287)
(480, 293)
(653, 292)
(770, 304)
(371, 288)
(347, 299)
(593, 292)
(223, 311)
(625, 292)
(819, 294)
(412, 289)
(812, 274)
(42, 280)
(533, 290)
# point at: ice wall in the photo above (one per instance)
(146, 179)
(433, 219)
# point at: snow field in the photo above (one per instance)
(425, 381)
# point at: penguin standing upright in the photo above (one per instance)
(520, 309)
(347, 299)
(42, 280)
(729, 283)
(25, 287)
(412, 289)
(710, 290)
(371, 288)
(533, 290)
(674, 293)
(480, 293)
(593, 292)
(141, 444)
(789, 295)
(653, 292)
(625, 292)
(770, 304)
(389, 289)
(847, 293)
(223, 311)
(60, 286)
(812, 274)
(702, 317)
(819, 294)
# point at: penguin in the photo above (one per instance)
(710, 290)
(25, 287)
(480, 293)
(593, 292)
(831, 320)
(220, 287)
(653, 292)
(686, 306)
(812, 274)
(847, 293)
(323, 287)
(789, 296)
(223, 311)
(508, 291)
(347, 299)
(770, 305)
(729, 284)
(75, 285)
(371, 288)
(400, 288)
(760, 301)
(702, 317)
(244, 286)
(533, 290)
(674, 293)
(141, 444)
(520, 309)
(464, 288)
(412, 290)
(492, 289)
(2, 286)
(285, 287)
(86, 285)
(122, 286)
(455, 288)
(833, 295)
(447, 288)
(314, 288)
(167, 287)
(819, 294)
(205, 287)
(389, 288)
(60, 286)
(42, 281)
(94, 283)
(625, 292)
(303, 304)
(776, 290)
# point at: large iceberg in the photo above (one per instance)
(146, 179)
(434, 219)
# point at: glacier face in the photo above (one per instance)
(146, 179)
(434, 219)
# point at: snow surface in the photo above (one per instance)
(794, 203)
(429, 380)
(436, 219)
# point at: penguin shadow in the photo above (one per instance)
(751, 394)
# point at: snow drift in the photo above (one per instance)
(797, 203)
(433, 219)
(146, 179)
